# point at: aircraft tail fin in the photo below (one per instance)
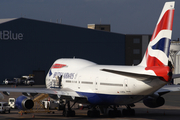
(157, 52)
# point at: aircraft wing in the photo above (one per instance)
(62, 92)
(167, 89)
(1, 96)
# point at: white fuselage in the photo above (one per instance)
(88, 79)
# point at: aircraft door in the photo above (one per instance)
(96, 83)
(126, 86)
(79, 82)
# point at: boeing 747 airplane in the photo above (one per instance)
(105, 87)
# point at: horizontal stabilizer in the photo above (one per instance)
(167, 89)
(133, 75)
(176, 76)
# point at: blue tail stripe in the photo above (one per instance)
(163, 45)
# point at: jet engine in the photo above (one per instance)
(23, 103)
(154, 102)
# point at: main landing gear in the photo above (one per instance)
(96, 113)
(125, 112)
(114, 112)
(111, 113)
(128, 111)
(93, 113)
(68, 112)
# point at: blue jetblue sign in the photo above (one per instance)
(9, 35)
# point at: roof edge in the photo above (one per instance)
(6, 20)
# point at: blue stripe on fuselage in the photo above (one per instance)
(107, 99)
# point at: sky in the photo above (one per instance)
(124, 16)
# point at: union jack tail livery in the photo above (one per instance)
(157, 52)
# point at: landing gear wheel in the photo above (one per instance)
(93, 113)
(110, 113)
(114, 113)
(72, 113)
(90, 113)
(118, 113)
(69, 113)
(132, 112)
(125, 112)
(128, 112)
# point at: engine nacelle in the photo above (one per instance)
(154, 102)
(23, 103)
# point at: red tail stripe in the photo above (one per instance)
(164, 23)
(161, 71)
(153, 61)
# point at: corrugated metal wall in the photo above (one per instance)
(177, 67)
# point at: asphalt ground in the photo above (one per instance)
(169, 111)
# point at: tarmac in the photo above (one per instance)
(169, 111)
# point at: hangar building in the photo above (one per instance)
(31, 46)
